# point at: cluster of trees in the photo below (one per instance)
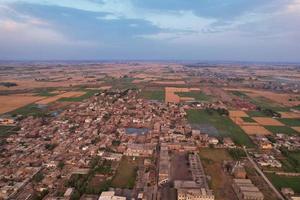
(8, 84)
(237, 153)
(81, 183)
(269, 112)
(220, 111)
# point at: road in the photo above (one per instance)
(264, 177)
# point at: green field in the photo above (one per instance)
(158, 95)
(126, 173)
(290, 122)
(199, 96)
(285, 181)
(291, 162)
(222, 123)
(88, 94)
(281, 129)
(46, 92)
(248, 119)
(256, 113)
(29, 110)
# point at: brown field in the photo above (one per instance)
(64, 95)
(280, 98)
(171, 95)
(267, 121)
(256, 130)
(105, 87)
(239, 121)
(290, 115)
(237, 113)
(169, 82)
(296, 128)
(11, 102)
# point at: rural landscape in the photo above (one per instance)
(149, 100)
(149, 130)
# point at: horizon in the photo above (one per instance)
(226, 31)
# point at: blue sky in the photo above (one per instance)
(241, 30)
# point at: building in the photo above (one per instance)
(245, 190)
(142, 150)
(164, 165)
(110, 195)
(194, 194)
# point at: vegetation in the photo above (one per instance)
(199, 96)
(38, 177)
(81, 182)
(50, 147)
(248, 119)
(222, 123)
(88, 94)
(290, 122)
(158, 95)
(8, 84)
(292, 160)
(281, 129)
(8, 130)
(285, 181)
(126, 173)
(237, 153)
(30, 110)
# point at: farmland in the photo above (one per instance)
(223, 123)
(285, 181)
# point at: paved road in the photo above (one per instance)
(264, 176)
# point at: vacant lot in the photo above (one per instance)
(267, 121)
(256, 130)
(223, 124)
(180, 167)
(126, 173)
(11, 102)
(220, 182)
(64, 95)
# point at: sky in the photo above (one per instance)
(216, 30)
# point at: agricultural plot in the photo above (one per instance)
(223, 124)
(284, 181)
(195, 95)
(72, 94)
(267, 121)
(172, 94)
(11, 102)
(158, 95)
(85, 95)
(281, 129)
(256, 130)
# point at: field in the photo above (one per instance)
(172, 94)
(11, 102)
(267, 121)
(196, 95)
(126, 173)
(220, 183)
(290, 115)
(256, 130)
(285, 181)
(158, 95)
(85, 94)
(290, 122)
(281, 129)
(222, 123)
(72, 94)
